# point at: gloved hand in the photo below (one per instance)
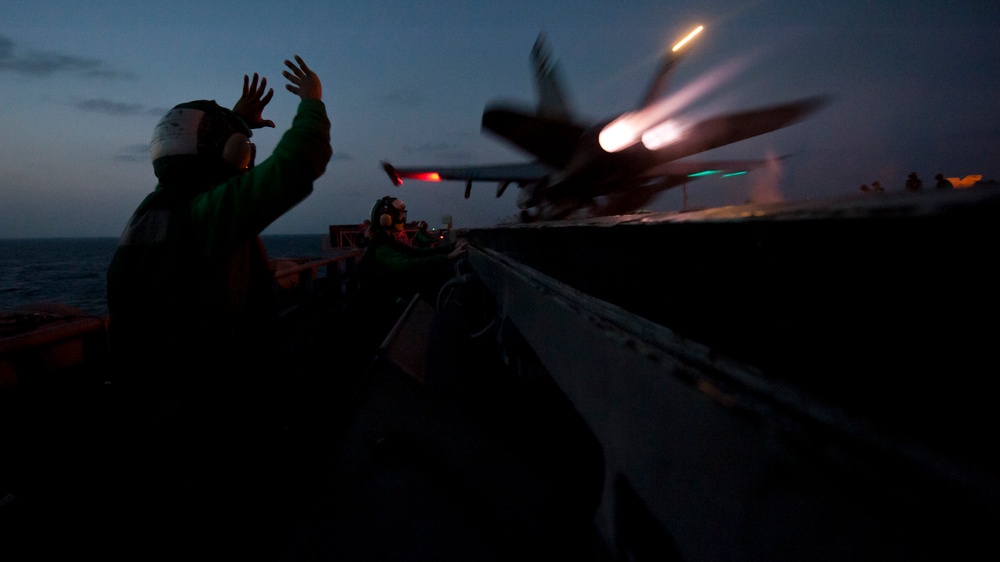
(460, 248)
(250, 106)
(304, 82)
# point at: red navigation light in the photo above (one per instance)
(427, 176)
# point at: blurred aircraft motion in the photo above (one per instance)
(615, 166)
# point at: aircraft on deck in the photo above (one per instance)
(617, 165)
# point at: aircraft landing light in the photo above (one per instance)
(731, 174)
(704, 173)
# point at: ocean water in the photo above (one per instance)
(73, 271)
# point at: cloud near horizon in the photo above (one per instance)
(110, 107)
(46, 63)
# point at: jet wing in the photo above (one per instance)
(505, 174)
(552, 141)
(672, 174)
(734, 127)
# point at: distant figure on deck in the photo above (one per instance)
(403, 237)
(391, 272)
(361, 236)
(877, 187)
(865, 188)
(192, 316)
(423, 239)
(913, 182)
(942, 182)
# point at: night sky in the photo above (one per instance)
(914, 85)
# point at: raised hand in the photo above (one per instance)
(304, 82)
(460, 248)
(250, 106)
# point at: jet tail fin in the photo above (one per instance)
(552, 100)
(668, 62)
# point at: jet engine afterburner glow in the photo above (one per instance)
(648, 122)
(661, 135)
(619, 134)
(631, 127)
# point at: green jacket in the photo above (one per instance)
(422, 239)
(389, 270)
(190, 274)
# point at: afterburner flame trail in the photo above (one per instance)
(628, 129)
(688, 38)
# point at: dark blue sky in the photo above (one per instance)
(84, 83)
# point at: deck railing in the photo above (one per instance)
(313, 293)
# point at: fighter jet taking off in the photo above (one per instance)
(617, 165)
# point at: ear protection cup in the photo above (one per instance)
(237, 153)
(389, 211)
